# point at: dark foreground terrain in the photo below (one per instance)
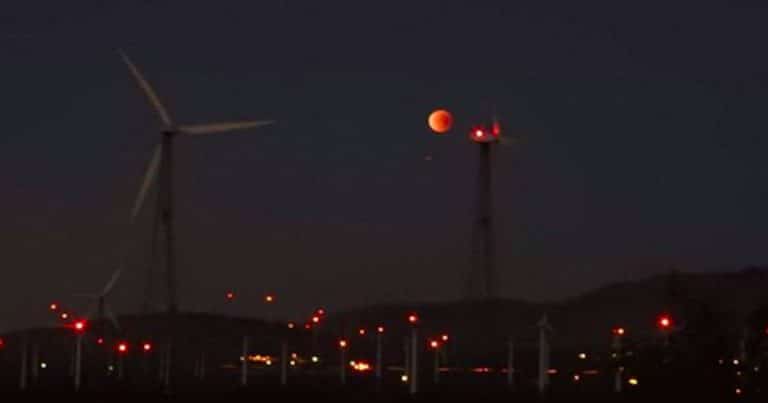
(362, 390)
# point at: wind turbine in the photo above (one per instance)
(160, 168)
(100, 308)
(545, 329)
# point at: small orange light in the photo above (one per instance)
(361, 332)
(147, 347)
(54, 306)
(434, 344)
(343, 343)
(122, 347)
(412, 318)
(315, 319)
(291, 325)
(269, 298)
(79, 326)
(619, 331)
(64, 315)
(444, 337)
(380, 329)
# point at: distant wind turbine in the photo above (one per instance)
(161, 168)
(100, 310)
(545, 329)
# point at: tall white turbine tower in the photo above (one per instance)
(160, 168)
(544, 348)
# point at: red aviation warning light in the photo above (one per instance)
(664, 322)
(122, 347)
(79, 326)
(434, 344)
(54, 306)
(481, 134)
(496, 128)
(413, 319)
(269, 298)
(147, 347)
(230, 295)
(361, 332)
(342, 344)
(380, 329)
(618, 331)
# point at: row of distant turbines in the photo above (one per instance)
(414, 347)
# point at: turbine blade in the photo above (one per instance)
(111, 316)
(112, 282)
(222, 127)
(149, 176)
(148, 91)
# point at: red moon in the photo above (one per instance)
(440, 121)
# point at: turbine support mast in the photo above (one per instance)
(482, 278)
(167, 218)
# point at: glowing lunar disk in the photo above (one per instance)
(440, 121)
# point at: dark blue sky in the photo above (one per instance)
(641, 146)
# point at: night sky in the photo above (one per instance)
(640, 146)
